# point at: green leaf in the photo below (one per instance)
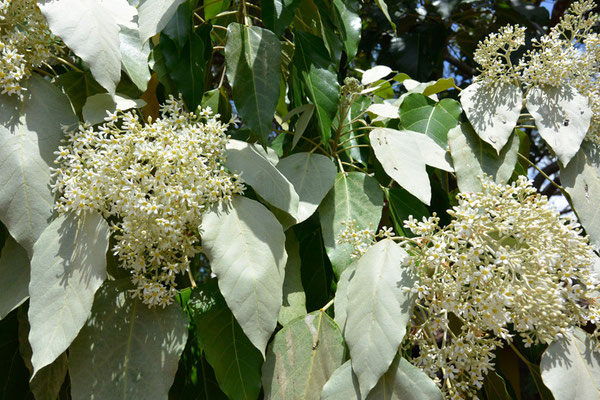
(439, 86)
(348, 22)
(384, 8)
(259, 172)
(581, 179)
(181, 25)
(14, 268)
(343, 384)
(378, 311)
(419, 113)
(278, 14)
(562, 116)
(341, 296)
(495, 387)
(186, 67)
(234, 358)
(253, 57)
(319, 80)
(312, 175)
(154, 15)
(135, 55)
(67, 267)
(217, 101)
(78, 86)
(30, 132)
(246, 248)
(97, 106)
(404, 156)
(306, 111)
(402, 205)
(302, 357)
(472, 158)
(15, 376)
(294, 298)
(493, 111)
(211, 9)
(91, 30)
(354, 196)
(571, 367)
(349, 132)
(126, 350)
(46, 384)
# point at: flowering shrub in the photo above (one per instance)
(157, 179)
(25, 43)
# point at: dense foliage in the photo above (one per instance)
(299, 199)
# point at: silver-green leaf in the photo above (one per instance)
(135, 55)
(294, 298)
(30, 133)
(354, 196)
(154, 15)
(562, 116)
(246, 248)
(378, 311)
(493, 111)
(472, 158)
(302, 357)
(571, 367)
(126, 350)
(312, 175)
(14, 268)
(581, 179)
(404, 156)
(257, 170)
(68, 266)
(97, 106)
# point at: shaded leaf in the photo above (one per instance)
(135, 57)
(213, 8)
(319, 79)
(30, 132)
(439, 86)
(378, 311)
(348, 22)
(294, 298)
(562, 116)
(581, 179)
(97, 106)
(253, 57)
(384, 8)
(278, 14)
(15, 376)
(402, 205)
(126, 350)
(246, 248)
(493, 111)
(354, 196)
(495, 387)
(302, 357)
(234, 358)
(67, 267)
(571, 367)
(341, 296)
(154, 15)
(472, 157)
(404, 156)
(258, 170)
(419, 113)
(14, 268)
(312, 175)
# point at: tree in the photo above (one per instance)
(298, 199)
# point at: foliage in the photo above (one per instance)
(299, 199)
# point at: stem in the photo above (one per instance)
(351, 147)
(68, 63)
(326, 306)
(351, 139)
(189, 271)
(340, 163)
(355, 167)
(543, 173)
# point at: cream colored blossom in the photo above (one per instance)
(507, 259)
(153, 181)
(25, 43)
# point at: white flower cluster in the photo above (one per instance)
(568, 54)
(25, 42)
(154, 181)
(506, 259)
(361, 239)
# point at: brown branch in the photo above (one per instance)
(461, 65)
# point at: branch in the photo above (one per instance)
(461, 65)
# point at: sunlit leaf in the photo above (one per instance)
(67, 267)
(278, 14)
(493, 111)
(154, 15)
(246, 248)
(302, 357)
(378, 311)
